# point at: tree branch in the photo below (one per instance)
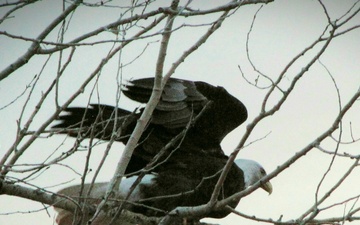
(35, 45)
(145, 116)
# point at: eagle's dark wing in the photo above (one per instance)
(180, 102)
(183, 100)
(97, 121)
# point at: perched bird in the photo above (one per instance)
(181, 143)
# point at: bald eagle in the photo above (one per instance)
(184, 135)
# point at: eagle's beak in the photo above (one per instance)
(267, 187)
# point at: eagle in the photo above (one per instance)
(181, 142)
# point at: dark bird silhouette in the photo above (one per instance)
(184, 135)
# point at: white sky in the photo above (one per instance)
(282, 29)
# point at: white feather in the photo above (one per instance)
(253, 171)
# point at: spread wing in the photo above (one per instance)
(96, 121)
(180, 102)
(183, 100)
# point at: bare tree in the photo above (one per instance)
(82, 54)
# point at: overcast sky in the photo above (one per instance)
(281, 30)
